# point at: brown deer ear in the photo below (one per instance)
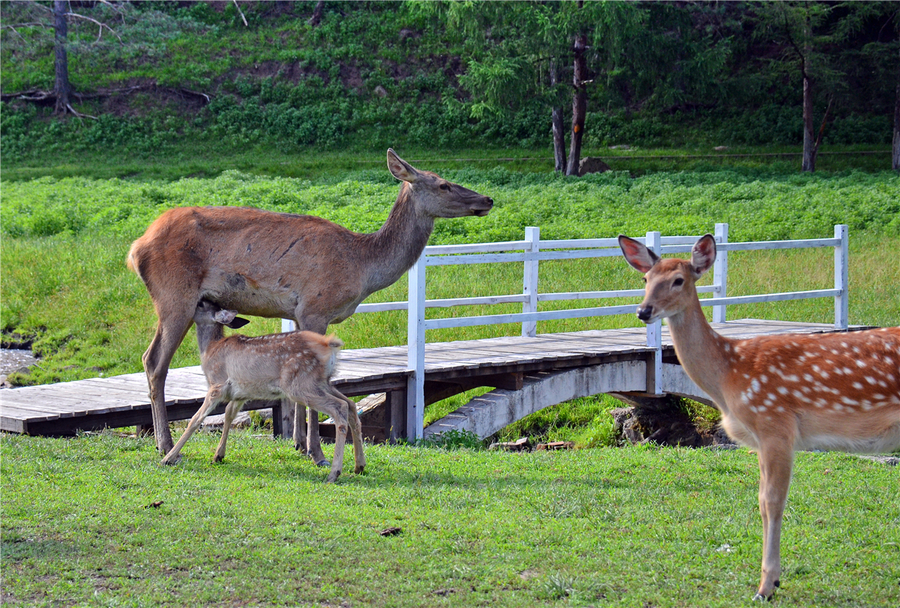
(703, 254)
(401, 169)
(636, 254)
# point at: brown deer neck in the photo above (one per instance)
(396, 246)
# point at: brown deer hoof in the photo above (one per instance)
(323, 463)
(359, 470)
(171, 461)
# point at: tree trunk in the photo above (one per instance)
(895, 163)
(556, 119)
(317, 13)
(62, 88)
(809, 141)
(579, 105)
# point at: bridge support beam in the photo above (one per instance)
(491, 412)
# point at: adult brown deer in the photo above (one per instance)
(777, 394)
(269, 264)
(295, 365)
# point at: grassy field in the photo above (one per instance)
(94, 521)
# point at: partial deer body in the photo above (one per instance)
(269, 264)
(293, 365)
(777, 394)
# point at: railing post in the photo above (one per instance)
(720, 273)
(530, 281)
(654, 332)
(841, 278)
(415, 339)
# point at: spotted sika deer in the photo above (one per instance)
(777, 394)
(275, 265)
(294, 365)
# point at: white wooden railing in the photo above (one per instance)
(532, 250)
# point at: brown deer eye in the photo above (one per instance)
(444, 187)
(678, 282)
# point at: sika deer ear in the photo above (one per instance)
(637, 254)
(703, 254)
(401, 169)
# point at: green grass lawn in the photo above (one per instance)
(95, 521)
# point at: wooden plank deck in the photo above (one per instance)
(64, 408)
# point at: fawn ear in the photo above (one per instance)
(238, 322)
(703, 254)
(229, 318)
(637, 254)
(401, 169)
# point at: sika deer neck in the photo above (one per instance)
(396, 246)
(704, 354)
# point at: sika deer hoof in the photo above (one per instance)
(323, 463)
(359, 470)
(332, 478)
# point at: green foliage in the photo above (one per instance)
(453, 440)
(428, 74)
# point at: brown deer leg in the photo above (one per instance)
(299, 424)
(170, 332)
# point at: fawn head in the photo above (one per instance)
(208, 313)
(670, 282)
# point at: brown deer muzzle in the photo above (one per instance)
(482, 207)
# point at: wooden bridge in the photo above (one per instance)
(527, 372)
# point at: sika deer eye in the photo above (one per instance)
(444, 187)
(678, 282)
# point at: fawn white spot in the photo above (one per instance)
(783, 390)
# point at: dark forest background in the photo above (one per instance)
(141, 79)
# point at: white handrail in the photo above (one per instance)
(532, 250)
